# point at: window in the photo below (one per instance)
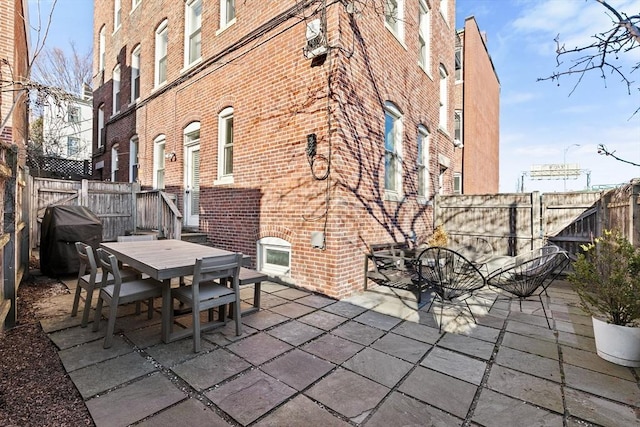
(114, 163)
(135, 3)
(101, 50)
(73, 146)
(393, 152)
(133, 159)
(116, 90)
(192, 29)
(393, 17)
(274, 256)
(227, 13)
(117, 15)
(443, 170)
(162, 42)
(423, 162)
(458, 71)
(225, 145)
(135, 74)
(158, 162)
(100, 125)
(424, 37)
(444, 98)
(457, 183)
(444, 9)
(457, 128)
(73, 114)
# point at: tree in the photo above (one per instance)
(606, 54)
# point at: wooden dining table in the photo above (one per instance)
(163, 260)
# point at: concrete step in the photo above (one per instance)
(194, 237)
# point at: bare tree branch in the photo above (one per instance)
(605, 152)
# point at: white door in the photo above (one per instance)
(192, 185)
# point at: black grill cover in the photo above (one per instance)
(62, 227)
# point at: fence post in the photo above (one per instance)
(83, 197)
(9, 256)
(536, 220)
(634, 214)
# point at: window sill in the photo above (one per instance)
(422, 200)
(159, 86)
(224, 180)
(187, 67)
(392, 196)
(397, 36)
(426, 71)
(227, 25)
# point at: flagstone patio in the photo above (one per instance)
(374, 359)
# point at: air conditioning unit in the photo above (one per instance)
(316, 41)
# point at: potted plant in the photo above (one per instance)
(606, 277)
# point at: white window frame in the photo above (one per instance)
(134, 4)
(444, 99)
(74, 114)
(441, 173)
(115, 81)
(393, 152)
(394, 18)
(457, 183)
(190, 17)
(134, 167)
(161, 53)
(159, 149)
(102, 40)
(224, 128)
(422, 164)
(225, 20)
(117, 15)
(273, 243)
(135, 74)
(444, 10)
(114, 163)
(424, 37)
(458, 136)
(73, 141)
(100, 125)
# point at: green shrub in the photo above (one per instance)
(606, 277)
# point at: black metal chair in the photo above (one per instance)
(530, 276)
(450, 275)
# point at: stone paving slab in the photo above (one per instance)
(593, 362)
(456, 365)
(293, 309)
(301, 411)
(344, 309)
(467, 345)
(298, 369)
(531, 345)
(358, 332)
(349, 394)
(401, 410)
(259, 348)
(531, 389)
(405, 348)
(495, 409)
(607, 386)
(189, 411)
(369, 361)
(442, 391)
(600, 411)
(332, 348)
(81, 356)
(323, 320)
(295, 333)
(151, 395)
(250, 396)
(207, 370)
(538, 366)
(418, 332)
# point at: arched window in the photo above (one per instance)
(133, 158)
(135, 74)
(116, 90)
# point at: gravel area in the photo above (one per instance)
(35, 390)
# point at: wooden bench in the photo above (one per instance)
(248, 277)
(392, 265)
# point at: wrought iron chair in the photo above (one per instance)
(120, 293)
(90, 279)
(450, 275)
(530, 276)
(205, 294)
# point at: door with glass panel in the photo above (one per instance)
(192, 179)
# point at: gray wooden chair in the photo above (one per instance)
(120, 293)
(90, 279)
(450, 276)
(205, 294)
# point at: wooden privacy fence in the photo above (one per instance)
(14, 235)
(122, 208)
(517, 222)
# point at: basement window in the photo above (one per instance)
(274, 256)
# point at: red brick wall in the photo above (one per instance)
(481, 116)
(279, 97)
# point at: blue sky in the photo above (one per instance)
(540, 122)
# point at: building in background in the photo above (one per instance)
(477, 114)
(67, 126)
(297, 132)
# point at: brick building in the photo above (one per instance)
(477, 114)
(296, 132)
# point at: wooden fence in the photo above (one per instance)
(14, 235)
(517, 222)
(122, 207)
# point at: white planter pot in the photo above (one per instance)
(617, 344)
